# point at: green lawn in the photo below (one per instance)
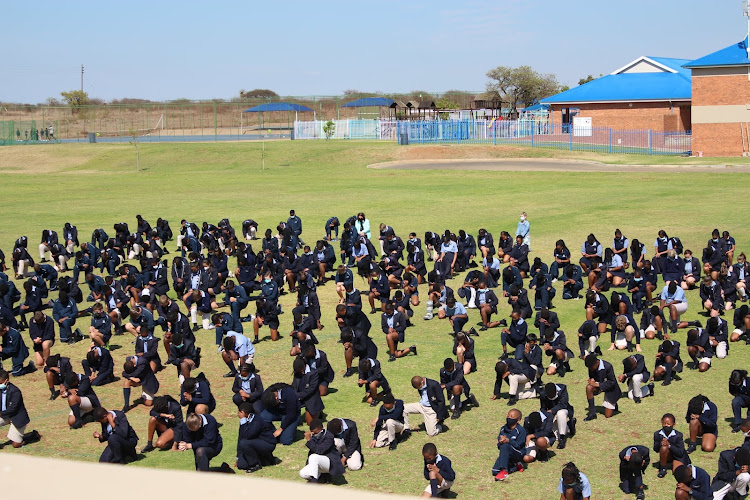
(97, 185)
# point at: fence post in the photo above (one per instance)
(610, 141)
(532, 136)
(570, 136)
(216, 131)
(650, 142)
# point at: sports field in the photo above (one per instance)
(95, 186)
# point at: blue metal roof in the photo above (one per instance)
(734, 55)
(675, 64)
(369, 101)
(277, 106)
(628, 87)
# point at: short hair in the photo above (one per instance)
(71, 379)
(269, 399)
(193, 421)
(448, 364)
(246, 408)
(364, 365)
(668, 415)
(161, 404)
(591, 361)
(742, 456)
(228, 343)
(550, 390)
(416, 381)
(500, 368)
(429, 449)
(316, 424)
(535, 420)
(298, 364)
(335, 426)
(52, 360)
(100, 413)
(188, 385)
(128, 366)
(3, 374)
(388, 399)
(635, 462)
(247, 368)
(682, 474)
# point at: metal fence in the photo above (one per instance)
(526, 132)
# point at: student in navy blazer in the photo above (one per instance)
(116, 431)
(200, 433)
(280, 402)
(255, 440)
(13, 412)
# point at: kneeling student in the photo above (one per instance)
(248, 388)
(346, 439)
(733, 475)
(255, 440)
(200, 433)
(183, 355)
(13, 412)
(323, 457)
(166, 420)
(693, 483)
(196, 395)
(636, 374)
(437, 470)
(702, 417)
(81, 398)
(117, 433)
(539, 436)
(633, 463)
(669, 445)
(389, 426)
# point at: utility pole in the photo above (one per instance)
(81, 77)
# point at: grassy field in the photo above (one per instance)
(97, 185)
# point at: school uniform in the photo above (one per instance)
(602, 310)
(712, 292)
(287, 411)
(558, 342)
(520, 380)
(454, 312)
(632, 481)
(148, 347)
(559, 408)
(242, 346)
(44, 331)
(104, 367)
(491, 265)
(49, 274)
(14, 349)
(469, 355)
(255, 442)
(511, 452)
(144, 319)
(486, 296)
(431, 406)
(562, 255)
(13, 412)
(308, 304)
(700, 484)
(720, 333)
(673, 352)
(636, 378)
(180, 271)
(348, 444)
(581, 488)
(322, 457)
(707, 352)
(446, 472)
(726, 479)
(505, 244)
(179, 354)
(708, 418)
(89, 399)
(571, 290)
(201, 395)
(69, 311)
(691, 267)
(253, 386)
(676, 445)
(148, 382)
(520, 253)
(544, 430)
(452, 379)
(516, 336)
(121, 440)
(544, 292)
(319, 362)
(448, 250)
(553, 320)
(374, 374)
(741, 399)
(389, 424)
(661, 245)
(522, 301)
(604, 374)
(307, 387)
(206, 441)
(538, 267)
(486, 241)
(590, 249)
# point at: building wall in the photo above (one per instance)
(656, 116)
(721, 111)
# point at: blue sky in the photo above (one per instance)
(201, 50)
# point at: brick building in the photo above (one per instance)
(721, 102)
(648, 93)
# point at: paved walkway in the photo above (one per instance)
(550, 165)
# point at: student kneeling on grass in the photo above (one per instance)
(13, 412)
(668, 443)
(255, 440)
(437, 470)
(431, 405)
(733, 475)
(633, 463)
(81, 398)
(693, 483)
(200, 433)
(323, 456)
(702, 417)
(166, 420)
(389, 426)
(346, 439)
(117, 433)
(137, 372)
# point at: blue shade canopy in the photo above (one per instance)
(369, 101)
(277, 106)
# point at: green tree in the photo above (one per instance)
(75, 98)
(258, 94)
(521, 85)
(329, 129)
(588, 79)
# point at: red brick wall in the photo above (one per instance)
(721, 90)
(654, 116)
(718, 139)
